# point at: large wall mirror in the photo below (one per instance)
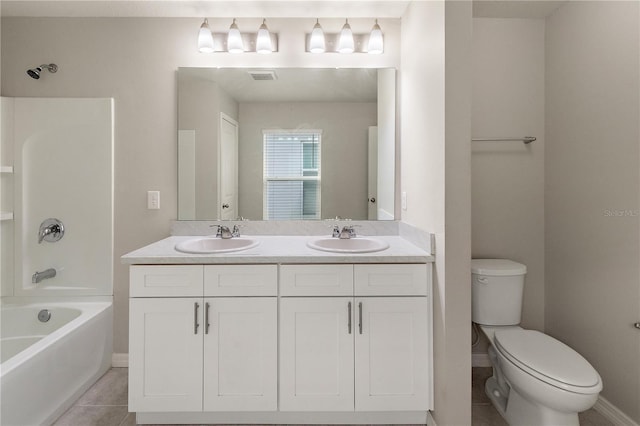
(286, 143)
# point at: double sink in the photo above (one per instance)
(213, 245)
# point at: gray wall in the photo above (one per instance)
(592, 189)
(343, 159)
(507, 188)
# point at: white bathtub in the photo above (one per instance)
(46, 366)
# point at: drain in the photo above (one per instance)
(44, 315)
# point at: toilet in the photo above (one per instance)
(537, 380)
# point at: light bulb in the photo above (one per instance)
(316, 43)
(205, 38)
(263, 43)
(234, 39)
(376, 41)
(346, 44)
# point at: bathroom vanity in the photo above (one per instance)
(280, 333)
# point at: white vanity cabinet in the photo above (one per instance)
(195, 345)
(367, 348)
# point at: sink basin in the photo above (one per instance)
(350, 245)
(205, 245)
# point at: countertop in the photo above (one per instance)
(276, 249)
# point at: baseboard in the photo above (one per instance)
(613, 413)
(480, 360)
(120, 360)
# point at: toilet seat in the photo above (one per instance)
(548, 359)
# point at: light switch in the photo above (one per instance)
(153, 200)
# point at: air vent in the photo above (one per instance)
(263, 75)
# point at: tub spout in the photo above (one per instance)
(39, 276)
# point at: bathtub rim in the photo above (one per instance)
(90, 306)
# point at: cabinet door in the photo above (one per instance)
(240, 354)
(392, 354)
(316, 354)
(165, 354)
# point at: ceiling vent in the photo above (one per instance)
(263, 75)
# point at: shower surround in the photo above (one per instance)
(57, 250)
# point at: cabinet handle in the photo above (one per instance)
(195, 318)
(360, 317)
(206, 318)
(349, 316)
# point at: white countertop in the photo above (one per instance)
(277, 249)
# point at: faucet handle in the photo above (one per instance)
(350, 230)
(51, 230)
(236, 231)
(218, 229)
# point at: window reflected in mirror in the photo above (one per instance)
(292, 183)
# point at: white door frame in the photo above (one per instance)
(229, 119)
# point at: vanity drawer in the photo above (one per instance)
(165, 280)
(240, 280)
(316, 280)
(391, 280)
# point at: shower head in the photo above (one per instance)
(35, 72)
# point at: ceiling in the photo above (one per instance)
(255, 8)
(515, 8)
(292, 84)
(217, 8)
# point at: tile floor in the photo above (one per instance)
(105, 404)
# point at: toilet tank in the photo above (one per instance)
(497, 286)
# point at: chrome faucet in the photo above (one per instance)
(51, 230)
(225, 233)
(39, 276)
(344, 234)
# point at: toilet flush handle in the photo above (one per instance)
(483, 280)
(637, 325)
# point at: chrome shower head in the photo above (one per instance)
(35, 72)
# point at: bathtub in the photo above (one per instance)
(46, 366)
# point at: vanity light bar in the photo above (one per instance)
(210, 42)
(331, 41)
(249, 42)
(372, 43)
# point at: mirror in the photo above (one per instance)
(286, 143)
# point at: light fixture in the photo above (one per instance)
(376, 41)
(205, 38)
(234, 39)
(316, 42)
(263, 42)
(346, 44)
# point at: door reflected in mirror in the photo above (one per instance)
(286, 143)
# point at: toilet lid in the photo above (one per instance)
(548, 359)
(497, 267)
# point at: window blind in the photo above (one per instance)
(291, 174)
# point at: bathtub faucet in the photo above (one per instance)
(39, 276)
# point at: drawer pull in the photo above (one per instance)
(360, 317)
(349, 316)
(206, 318)
(195, 318)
